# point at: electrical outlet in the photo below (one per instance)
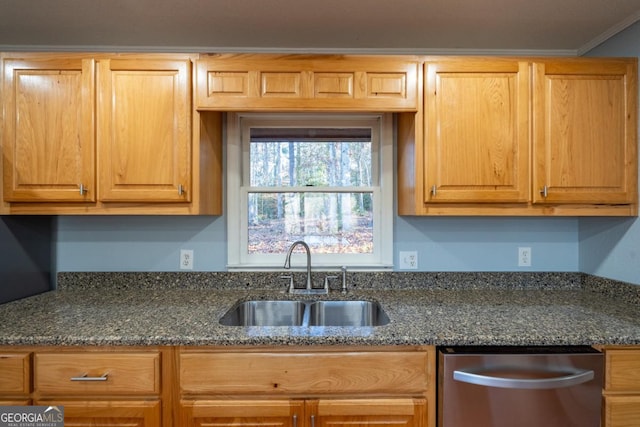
(186, 259)
(408, 260)
(524, 257)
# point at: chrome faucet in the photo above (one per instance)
(308, 289)
(287, 262)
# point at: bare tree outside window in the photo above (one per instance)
(312, 185)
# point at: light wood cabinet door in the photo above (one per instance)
(15, 378)
(144, 130)
(242, 413)
(49, 143)
(622, 411)
(585, 126)
(476, 131)
(367, 412)
(112, 413)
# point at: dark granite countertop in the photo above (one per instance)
(463, 309)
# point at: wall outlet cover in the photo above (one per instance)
(408, 260)
(186, 259)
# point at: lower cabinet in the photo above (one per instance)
(393, 412)
(100, 388)
(622, 387)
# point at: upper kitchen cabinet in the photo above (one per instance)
(107, 134)
(585, 126)
(48, 138)
(144, 130)
(476, 131)
(517, 136)
(308, 83)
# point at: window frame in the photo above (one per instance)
(237, 147)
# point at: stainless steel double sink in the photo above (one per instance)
(354, 313)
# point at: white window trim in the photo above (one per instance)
(238, 259)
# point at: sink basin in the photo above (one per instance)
(265, 313)
(305, 313)
(347, 313)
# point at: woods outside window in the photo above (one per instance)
(324, 179)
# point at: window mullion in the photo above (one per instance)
(311, 189)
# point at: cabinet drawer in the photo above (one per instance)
(97, 373)
(14, 373)
(304, 373)
(623, 370)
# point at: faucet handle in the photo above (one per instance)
(290, 278)
(326, 281)
(343, 269)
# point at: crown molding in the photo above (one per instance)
(619, 27)
(281, 50)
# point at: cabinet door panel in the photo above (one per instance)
(14, 373)
(368, 412)
(144, 130)
(49, 130)
(622, 411)
(477, 131)
(109, 413)
(585, 117)
(242, 413)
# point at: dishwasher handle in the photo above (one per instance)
(574, 378)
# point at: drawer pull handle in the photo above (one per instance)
(85, 377)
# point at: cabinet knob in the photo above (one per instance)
(83, 190)
(433, 190)
(181, 190)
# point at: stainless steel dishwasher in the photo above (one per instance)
(519, 386)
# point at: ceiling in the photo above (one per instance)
(404, 26)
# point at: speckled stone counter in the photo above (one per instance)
(424, 308)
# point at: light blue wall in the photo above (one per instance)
(488, 244)
(139, 243)
(113, 243)
(611, 247)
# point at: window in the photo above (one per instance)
(325, 179)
